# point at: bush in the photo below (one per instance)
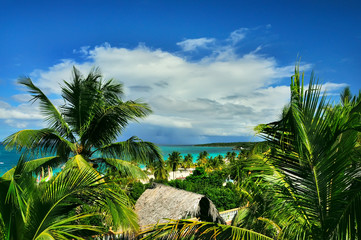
(210, 185)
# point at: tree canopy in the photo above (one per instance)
(84, 130)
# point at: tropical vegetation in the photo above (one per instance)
(83, 131)
(61, 208)
(302, 182)
(174, 161)
(307, 182)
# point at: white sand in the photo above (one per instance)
(179, 174)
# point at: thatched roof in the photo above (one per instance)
(162, 201)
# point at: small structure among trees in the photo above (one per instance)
(161, 203)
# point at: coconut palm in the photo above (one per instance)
(189, 229)
(312, 171)
(83, 130)
(214, 163)
(160, 172)
(231, 156)
(316, 164)
(174, 160)
(219, 161)
(202, 158)
(188, 161)
(61, 208)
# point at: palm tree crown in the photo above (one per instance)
(174, 161)
(316, 163)
(91, 119)
(63, 207)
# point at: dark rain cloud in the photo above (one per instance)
(161, 84)
(140, 88)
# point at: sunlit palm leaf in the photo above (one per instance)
(125, 167)
(51, 113)
(37, 141)
(133, 149)
(108, 121)
(36, 165)
(31, 211)
(312, 152)
(188, 229)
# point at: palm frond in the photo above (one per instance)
(81, 96)
(78, 162)
(134, 149)
(38, 141)
(126, 168)
(188, 229)
(51, 113)
(35, 166)
(68, 191)
(108, 121)
(312, 150)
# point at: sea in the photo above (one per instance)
(8, 159)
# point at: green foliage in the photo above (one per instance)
(215, 163)
(174, 160)
(210, 185)
(188, 161)
(92, 117)
(136, 189)
(306, 185)
(224, 198)
(76, 204)
(202, 159)
(191, 230)
(316, 162)
(161, 172)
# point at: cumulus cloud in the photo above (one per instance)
(23, 112)
(22, 97)
(221, 94)
(20, 116)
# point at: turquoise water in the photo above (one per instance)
(9, 159)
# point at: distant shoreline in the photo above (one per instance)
(229, 144)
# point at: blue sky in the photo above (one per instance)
(211, 70)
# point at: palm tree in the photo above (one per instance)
(189, 229)
(188, 161)
(202, 158)
(316, 162)
(61, 208)
(215, 163)
(161, 172)
(174, 160)
(311, 171)
(231, 156)
(83, 130)
(219, 161)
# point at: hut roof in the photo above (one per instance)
(161, 202)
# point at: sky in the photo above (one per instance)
(210, 70)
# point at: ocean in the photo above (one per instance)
(9, 159)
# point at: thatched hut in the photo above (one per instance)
(161, 202)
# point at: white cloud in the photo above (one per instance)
(227, 96)
(238, 35)
(169, 121)
(23, 112)
(221, 94)
(16, 123)
(193, 44)
(22, 97)
(332, 87)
